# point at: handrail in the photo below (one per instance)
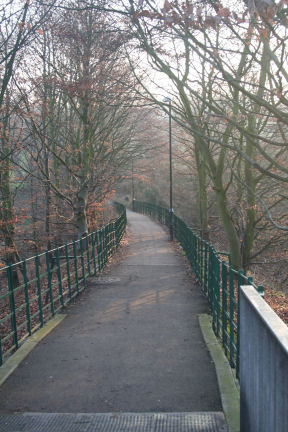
(33, 290)
(219, 280)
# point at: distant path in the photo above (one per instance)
(130, 343)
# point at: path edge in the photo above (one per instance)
(228, 385)
(14, 361)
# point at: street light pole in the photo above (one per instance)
(171, 211)
(133, 190)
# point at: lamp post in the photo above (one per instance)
(171, 223)
(133, 190)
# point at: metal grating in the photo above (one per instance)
(114, 422)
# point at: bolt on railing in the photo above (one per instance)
(49, 280)
(217, 278)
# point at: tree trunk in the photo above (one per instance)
(202, 194)
(228, 225)
(7, 219)
(80, 212)
(248, 240)
(47, 203)
(34, 205)
(250, 180)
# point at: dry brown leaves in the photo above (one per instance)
(278, 302)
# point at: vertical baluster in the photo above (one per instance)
(98, 248)
(68, 271)
(102, 247)
(75, 266)
(105, 241)
(40, 311)
(82, 263)
(231, 315)
(210, 271)
(27, 303)
(205, 267)
(12, 305)
(201, 261)
(224, 306)
(216, 297)
(60, 289)
(49, 276)
(94, 253)
(87, 254)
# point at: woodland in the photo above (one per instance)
(83, 121)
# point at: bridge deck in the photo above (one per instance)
(130, 343)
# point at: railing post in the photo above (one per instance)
(98, 249)
(216, 294)
(12, 305)
(102, 246)
(205, 267)
(210, 275)
(114, 236)
(49, 276)
(68, 270)
(93, 253)
(201, 261)
(87, 254)
(26, 297)
(260, 290)
(82, 262)
(224, 306)
(105, 245)
(59, 277)
(231, 316)
(39, 290)
(75, 266)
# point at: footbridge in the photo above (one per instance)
(134, 351)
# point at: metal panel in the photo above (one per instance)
(263, 366)
(114, 422)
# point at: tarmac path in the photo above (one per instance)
(131, 342)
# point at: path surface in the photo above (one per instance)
(130, 343)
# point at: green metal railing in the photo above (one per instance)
(35, 289)
(219, 281)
